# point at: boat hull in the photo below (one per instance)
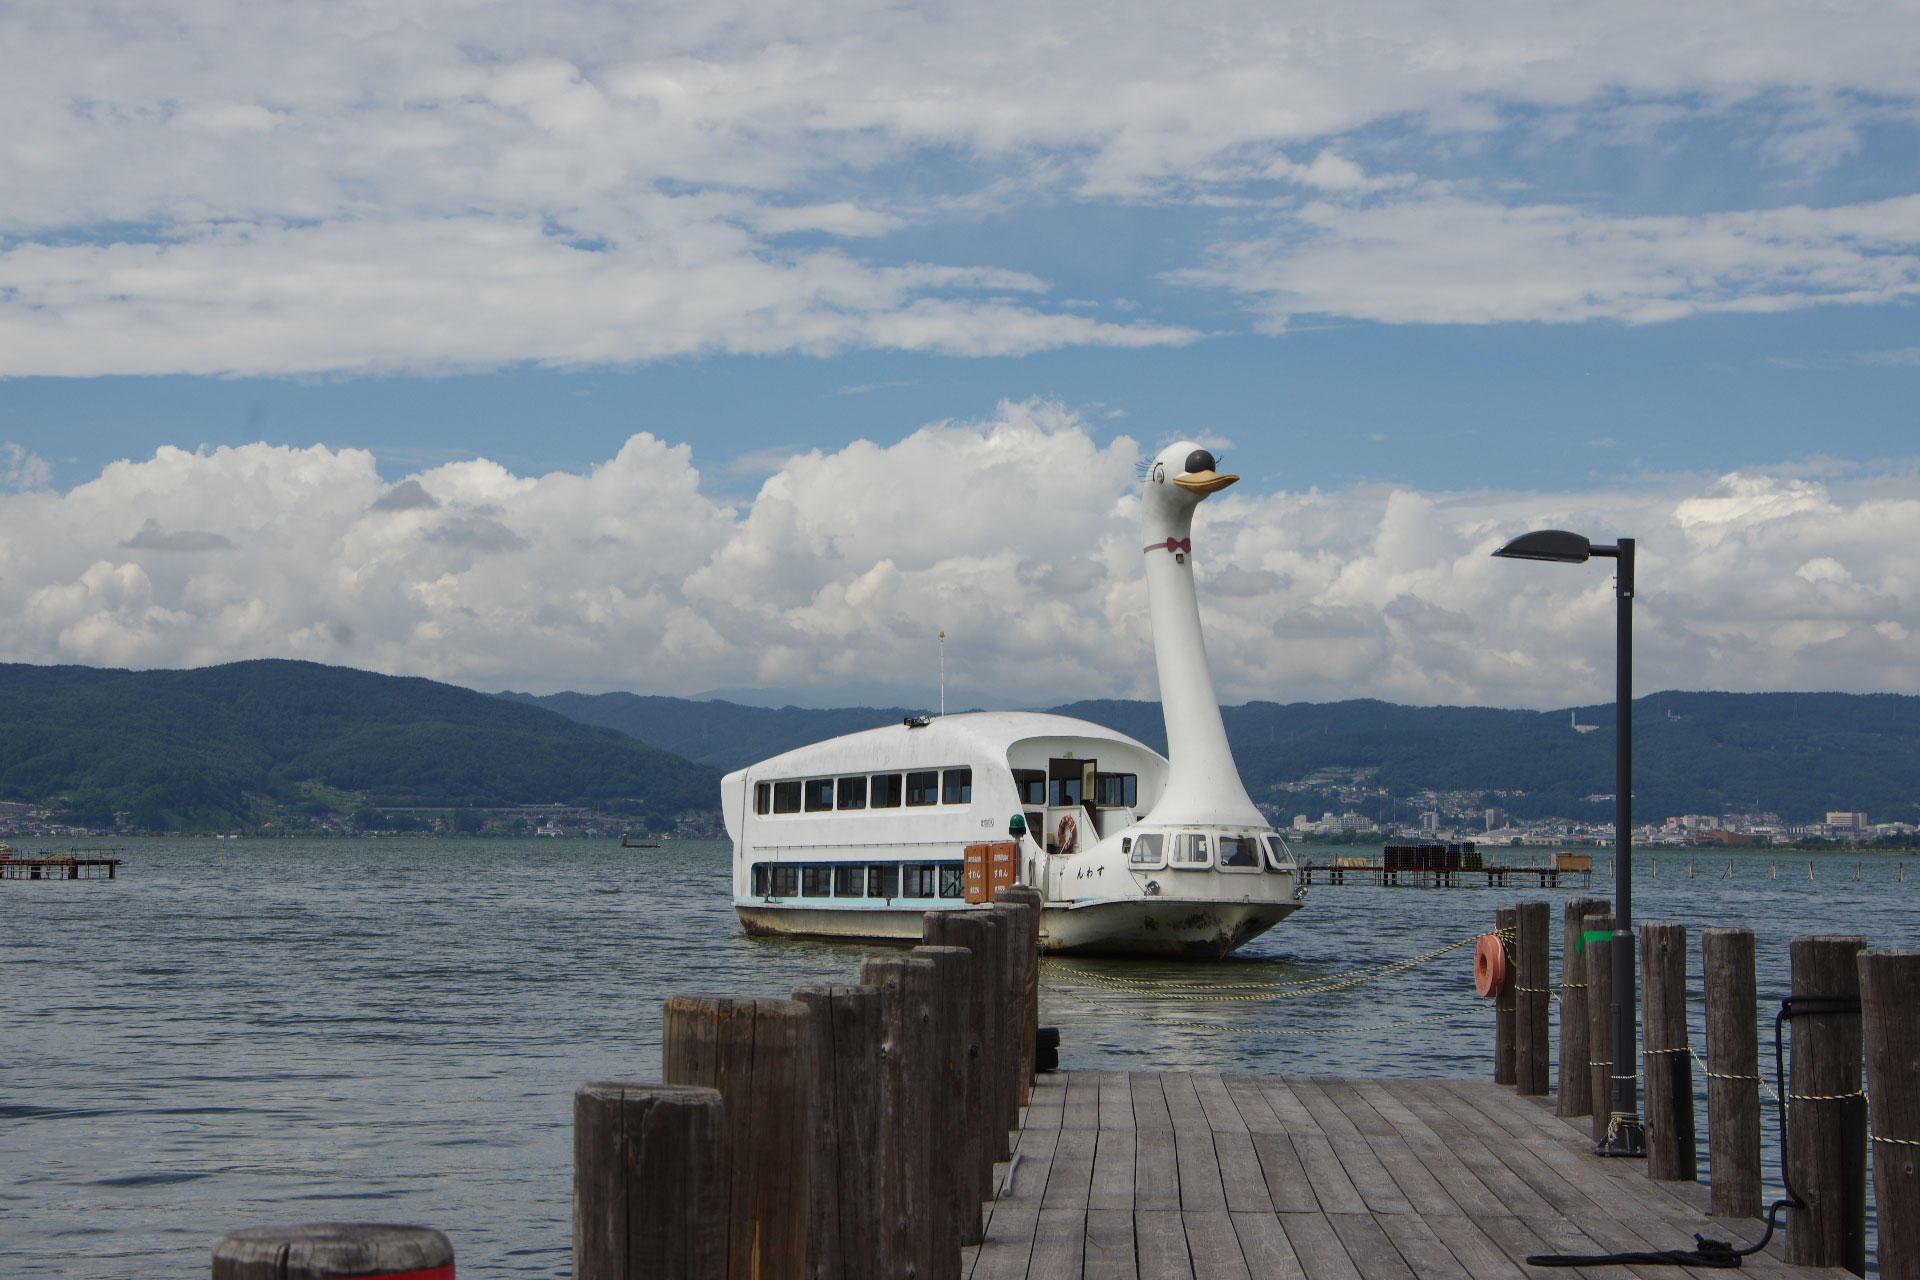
(1161, 928)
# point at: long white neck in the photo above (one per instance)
(1203, 786)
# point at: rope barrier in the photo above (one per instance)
(1279, 990)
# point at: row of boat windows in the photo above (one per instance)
(854, 880)
(1199, 849)
(865, 791)
(923, 787)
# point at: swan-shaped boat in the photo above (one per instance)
(1134, 853)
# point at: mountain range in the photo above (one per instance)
(225, 747)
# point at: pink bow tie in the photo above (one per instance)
(1172, 544)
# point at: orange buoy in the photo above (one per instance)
(1489, 965)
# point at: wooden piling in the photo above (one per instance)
(968, 929)
(1030, 1025)
(1890, 1019)
(1600, 1020)
(843, 1219)
(1506, 921)
(1532, 1056)
(649, 1182)
(328, 1249)
(956, 1208)
(1576, 1081)
(1733, 1074)
(1826, 1148)
(1672, 1155)
(1013, 1012)
(1001, 1118)
(756, 1053)
(905, 1151)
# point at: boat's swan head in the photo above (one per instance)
(1183, 473)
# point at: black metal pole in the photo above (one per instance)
(1625, 1134)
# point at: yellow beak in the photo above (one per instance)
(1204, 482)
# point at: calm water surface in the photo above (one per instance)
(392, 1030)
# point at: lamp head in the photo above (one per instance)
(1549, 544)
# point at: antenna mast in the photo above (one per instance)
(943, 673)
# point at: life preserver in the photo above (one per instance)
(1489, 965)
(1069, 835)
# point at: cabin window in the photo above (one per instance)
(1279, 857)
(956, 786)
(853, 793)
(760, 879)
(886, 791)
(1146, 850)
(953, 880)
(916, 880)
(1116, 790)
(819, 794)
(763, 797)
(1030, 785)
(849, 882)
(923, 788)
(1064, 791)
(1187, 849)
(816, 882)
(786, 881)
(786, 797)
(1240, 851)
(883, 882)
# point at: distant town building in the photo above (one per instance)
(1847, 821)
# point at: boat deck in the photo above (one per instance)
(1142, 1177)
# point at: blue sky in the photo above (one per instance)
(1613, 263)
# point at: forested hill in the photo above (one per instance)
(1795, 754)
(208, 749)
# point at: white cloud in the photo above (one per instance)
(1017, 535)
(1439, 258)
(197, 186)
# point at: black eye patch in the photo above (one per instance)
(1199, 460)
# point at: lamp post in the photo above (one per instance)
(1625, 1135)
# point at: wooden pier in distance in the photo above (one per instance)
(1547, 877)
(1142, 1176)
(55, 866)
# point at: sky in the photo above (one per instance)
(745, 348)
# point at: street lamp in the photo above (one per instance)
(1625, 1136)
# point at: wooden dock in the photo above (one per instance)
(55, 866)
(1203, 1176)
(1548, 877)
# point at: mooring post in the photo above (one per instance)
(1575, 1096)
(905, 1243)
(1890, 1019)
(968, 929)
(756, 1052)
(1532, 1056)
(1599, 936)
(327, 1249)
(1505, 923)
(1013, 1014)
(1672, 1154)
(844, 1217)
(1030, 1030)
(1826, 1156)
(999, 1125)
(955, 1207)
(649, 1182)
(1733, 1076)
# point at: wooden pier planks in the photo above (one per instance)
(1169, 1176)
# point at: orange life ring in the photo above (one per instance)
(1069, 835)
(1489, 965)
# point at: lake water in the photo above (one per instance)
(392, 1030)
